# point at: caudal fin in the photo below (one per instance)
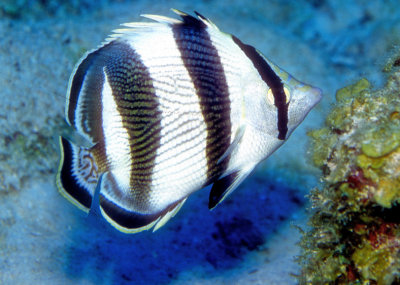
(77, 175)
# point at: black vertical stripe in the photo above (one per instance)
(204, 65)
(273, 81)
(136, 101)
(76, 86)
(134, 93)
(68, 179)
(90, 74)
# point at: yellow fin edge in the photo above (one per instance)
(60, 188)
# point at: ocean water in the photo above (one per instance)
(250, 237)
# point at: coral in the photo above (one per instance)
(29, 153)
(354, 235)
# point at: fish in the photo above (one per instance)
(167, 108)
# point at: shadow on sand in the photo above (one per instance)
(196, 238)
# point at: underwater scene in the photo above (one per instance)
(202, 142)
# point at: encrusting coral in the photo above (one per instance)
(354, 235)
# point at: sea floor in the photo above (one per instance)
(252, 237)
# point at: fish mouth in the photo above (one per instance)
(306, 101)
(316, 95)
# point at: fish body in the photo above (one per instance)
(170, 107)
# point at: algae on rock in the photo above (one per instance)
(355, 225)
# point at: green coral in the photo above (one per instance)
(355, 226)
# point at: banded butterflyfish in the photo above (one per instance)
(169, 107)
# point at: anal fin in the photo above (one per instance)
(171, 213)
(120, 209)
(226, 185)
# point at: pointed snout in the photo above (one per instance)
(315, 94)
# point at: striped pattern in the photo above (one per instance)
(273, 81)
(203, 63)
(180, 159)
(83, 108)
(137, 108)
(170, 107)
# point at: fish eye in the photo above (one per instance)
(271, 99)
(287, 94)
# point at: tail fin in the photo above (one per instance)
(77, 175)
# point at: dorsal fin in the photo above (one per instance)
(206, 21)
(162, 21)
(189, 20)
(200, 21)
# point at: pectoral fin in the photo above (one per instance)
(225, 185)
(238, 137)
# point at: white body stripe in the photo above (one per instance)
(232, 57)
(79, 111)
(116, 140)
(181, 164)
(228, 52)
